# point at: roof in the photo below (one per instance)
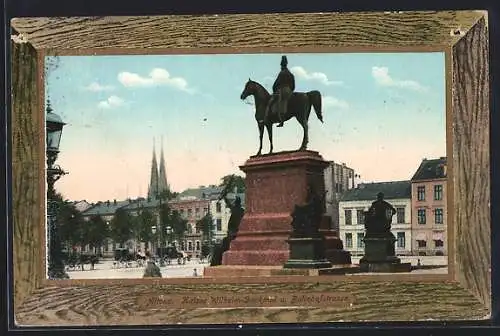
(105, 208)
(430, 170)
(201, 192)
(142, 203)
(369, 191)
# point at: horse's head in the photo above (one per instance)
(248, 90)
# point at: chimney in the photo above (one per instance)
(107, 203)
(114, 201)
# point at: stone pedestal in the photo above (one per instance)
(307, 253)
(275, 183)
(379, 256)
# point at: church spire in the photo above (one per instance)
(153, 182)
(162, 178)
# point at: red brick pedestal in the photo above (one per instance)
(275, 183)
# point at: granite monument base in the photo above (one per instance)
(275, 183)
(379, 256)
(307, 252)
(255, 271)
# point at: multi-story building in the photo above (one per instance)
(193, 210)
(354, 202)
(429, 208)
(338, 179)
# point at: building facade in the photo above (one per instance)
(354, 202)
(429, 222)
(338, 179)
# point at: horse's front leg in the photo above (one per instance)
(269, 128)
(261, 134)
(305, 138)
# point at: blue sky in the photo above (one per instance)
(375, 105)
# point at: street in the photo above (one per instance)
(107, 270)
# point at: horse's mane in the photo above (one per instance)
(261, 87)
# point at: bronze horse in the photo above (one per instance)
(299, 106)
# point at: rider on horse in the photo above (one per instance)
(283, 88)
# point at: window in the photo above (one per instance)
(438, 192)
(348, 217)
(361, 243)
(438, 216)
(401, 242)
(183, 245)
(218, 207)
(421, 243)
(400, 215)
(438, 243)
(198, 246)
(421, 193)
(106, 246)
(190, 245)
(348, 240)
(421, 216)
(205, 211)
(218, 223)
(360, 216)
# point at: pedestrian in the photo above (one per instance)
(418, 262)
(152, 270)
(195, 272)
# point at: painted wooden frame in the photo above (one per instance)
(463, 294)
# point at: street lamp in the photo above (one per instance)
(54, 126)
(169, 232)
(153, 231)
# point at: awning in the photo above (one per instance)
(421, 236)
(437, 236)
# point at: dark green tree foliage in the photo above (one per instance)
(122, 226)
(178, 224)
(96, 231)
(145, 221)
(173, 219)
(71, 224)
(228, 183)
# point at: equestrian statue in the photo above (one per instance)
(282, 105)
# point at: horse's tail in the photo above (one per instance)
(315, 99)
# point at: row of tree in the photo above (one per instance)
(75, 231)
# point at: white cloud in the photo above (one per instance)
(382, 77)
(96, 87)
(157, 76)
(302, 73)
(111, 102)
(329, 101)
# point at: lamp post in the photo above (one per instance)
(54, 126)
(153, 231)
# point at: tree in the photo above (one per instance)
(173, 219)
(96, 231)
(228, 183)
(178, 224)
(71, 223)
(121, 226)
(145, 221)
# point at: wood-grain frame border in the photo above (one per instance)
(462, 35)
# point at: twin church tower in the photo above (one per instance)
(158, 180)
